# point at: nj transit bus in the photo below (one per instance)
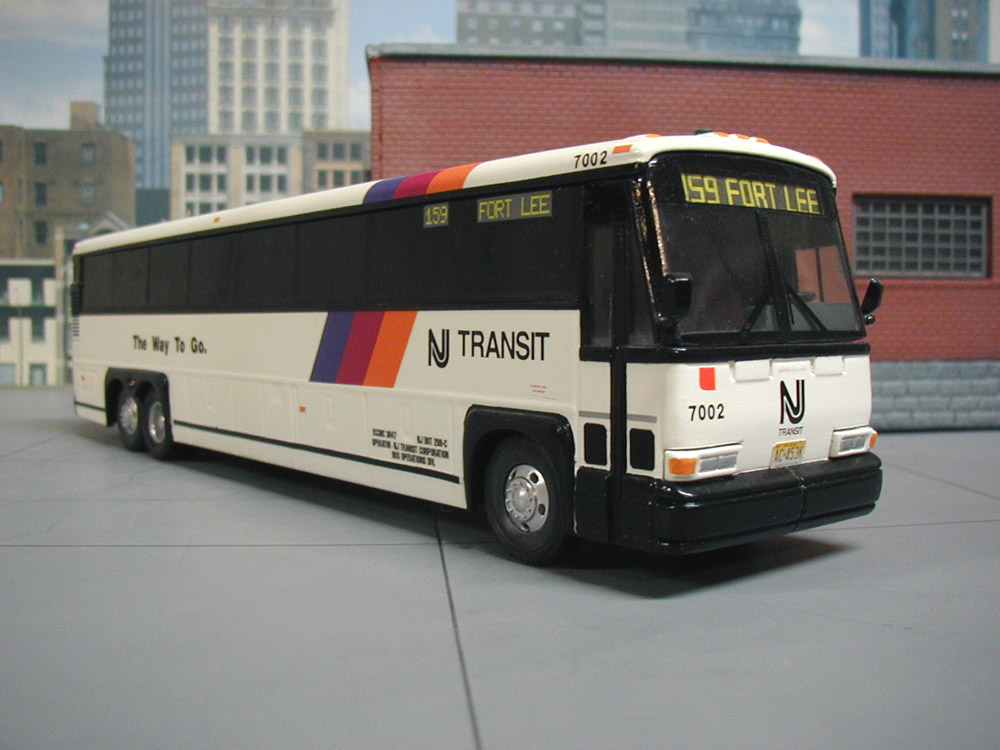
(653, 342)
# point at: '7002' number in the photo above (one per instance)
(595, 159)
(702, 412)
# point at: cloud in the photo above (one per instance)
(829, 29)
(359, 104)
(79, 23)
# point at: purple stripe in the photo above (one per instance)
(383, 191)
(331, 347)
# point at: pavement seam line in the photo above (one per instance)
(477, 739)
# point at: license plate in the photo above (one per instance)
(785, 454)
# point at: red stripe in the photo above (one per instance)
(360, 344)
(414, 185)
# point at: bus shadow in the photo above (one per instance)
(652, 576)
(626, 571)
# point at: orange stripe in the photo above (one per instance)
(622, 149)
(452, 178)
(390, 346)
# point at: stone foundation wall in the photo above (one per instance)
(935, 395)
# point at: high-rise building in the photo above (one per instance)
(926, 29)
(243, 67)
(735, 26)
(745, 26)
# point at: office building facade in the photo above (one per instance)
(955, 30)
(241, 67)
(728, 26)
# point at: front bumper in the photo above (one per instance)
(681, 518)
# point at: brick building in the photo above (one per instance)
(913, 144)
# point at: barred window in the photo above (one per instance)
(934, 237)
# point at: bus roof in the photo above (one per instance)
(633, 150)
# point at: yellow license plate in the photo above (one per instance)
(784, 454)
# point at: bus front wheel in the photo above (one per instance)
(527, 502)
(129, 420)
(159, 436)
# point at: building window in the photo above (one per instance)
(41, 193)
(37, 329)
(936, 237)
(38, 374)
(355, 152)
(321, 178)
(1, 191)
(88, 195)
(322, 151)
(189, 183)
(205, 183)
(88, 154)
(41, 154)
(41, 233)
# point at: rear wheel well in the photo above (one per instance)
(117, 381)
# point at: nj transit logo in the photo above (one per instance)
(794, 409)
(438, 353)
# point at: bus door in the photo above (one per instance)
(614, 317)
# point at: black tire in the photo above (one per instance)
(528, 502)
(156, 429)
(129, 418)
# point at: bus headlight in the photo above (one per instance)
(851, 442)
(702, 463)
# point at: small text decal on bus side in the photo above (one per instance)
(166, 344)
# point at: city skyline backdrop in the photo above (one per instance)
(51, 51)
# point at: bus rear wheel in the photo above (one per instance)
(527, 502)
(129, 420)
(157, 432)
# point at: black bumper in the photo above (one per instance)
(681, 518)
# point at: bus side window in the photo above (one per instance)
(596, 314)
(640, 310)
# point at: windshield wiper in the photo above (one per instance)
(758, 308)
(807, 313)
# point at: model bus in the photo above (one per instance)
(653, 342)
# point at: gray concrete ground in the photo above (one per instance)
(220, 603)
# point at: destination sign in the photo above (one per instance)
(748, 193)
(511, 207)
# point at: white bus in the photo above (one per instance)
(653, 342)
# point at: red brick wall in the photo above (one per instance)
(891, 133)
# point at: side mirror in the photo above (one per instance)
(872, 300)
(674, 298)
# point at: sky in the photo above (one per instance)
(51, 51)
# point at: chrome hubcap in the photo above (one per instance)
(526, 498)
(128, 415)
(157, 423)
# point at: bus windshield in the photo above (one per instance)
(762, 245)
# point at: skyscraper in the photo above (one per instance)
(244, 67)
(925, 29)
(736, 26)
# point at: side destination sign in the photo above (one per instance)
(733, 191)
(511, 207)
